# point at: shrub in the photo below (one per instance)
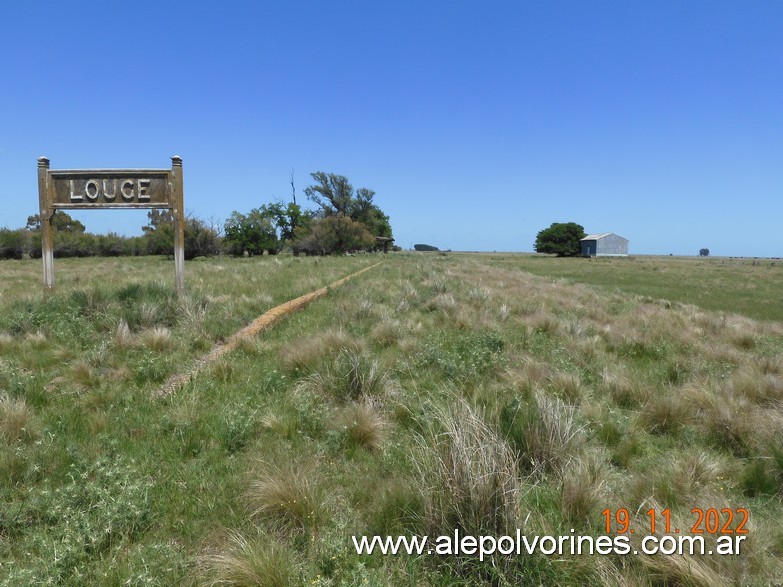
(13, 243)
(462, 355)
(334, 234)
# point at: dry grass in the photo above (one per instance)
(695, 470)
(386, 333)
(566, 386)
(15, 419)
(755, 383)
(617, 383)
(442, 302)
(122, 336)
(351, 376)
(729, 421)
(221, 370)
(581, 489)
(288, 493)
(157, 339)
(364, 424)
(84, 375)
(468, 474)
(666, 413)
(545, 432)
(260, 562)
(307, 354)
(697, 571)
(6, 341)
(36, 340)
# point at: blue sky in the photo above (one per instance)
(477, 123)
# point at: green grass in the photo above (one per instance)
(429, 393)
(728, 285)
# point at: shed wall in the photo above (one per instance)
(611, 245)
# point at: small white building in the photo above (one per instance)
(606, 244)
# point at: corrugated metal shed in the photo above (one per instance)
(605, 244)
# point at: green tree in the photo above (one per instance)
(70, 238)
(333, 193)
(251, 233)
(561, 239)
(336, 197)
(704, 252)
(61, 222)
(201, 240)
(287, 218)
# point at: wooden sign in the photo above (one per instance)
(93, 189)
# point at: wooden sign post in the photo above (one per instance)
(90, 189)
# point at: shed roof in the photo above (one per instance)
(595, 237)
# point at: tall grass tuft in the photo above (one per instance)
(664, 414)
(386, 333)
(6, 341)
(122, 335)
(14, 418)
(288, 493)
(581, 488)
(364, 425)
(468, 474)
(85, 375)
(731, 422)
(262, 562)
(566, 386)
(352, 376)
(305, 355)
(543, 430)
(157, 339)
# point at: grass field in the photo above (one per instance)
(744, 286)
(482, 392)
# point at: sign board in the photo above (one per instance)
(100, 189)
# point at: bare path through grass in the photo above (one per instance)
(266, 320)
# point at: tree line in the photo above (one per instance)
(344, 220)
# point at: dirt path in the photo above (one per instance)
(261, 323)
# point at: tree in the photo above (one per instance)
(251, 233)
(201, 240)
(561, 239)
(61, 222)
(336, 197)
(423, 247)
(704, 252)
(333, 193)
(287, 218)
